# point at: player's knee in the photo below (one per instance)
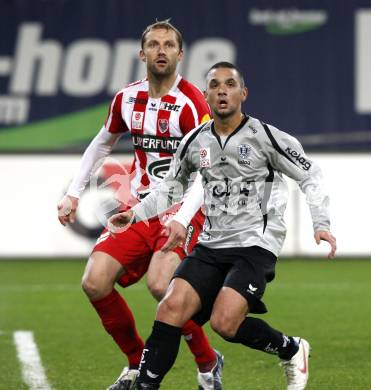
(93, 288)
(160, 273)
(157, 288)
(171, 306)
(224, 325)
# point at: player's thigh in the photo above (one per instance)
(160, 272)
(101, 271)
(180, 303)
(130, 250)
(205, 276)
(163, 265)
(229, 310)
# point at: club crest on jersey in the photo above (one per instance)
(205, 158)
(137, 120)
(243, 154)
(163, 125)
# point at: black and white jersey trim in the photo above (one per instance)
(236, 130)
(275, 143)
(189, 140)
(267, 193)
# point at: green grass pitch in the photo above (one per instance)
(327, 302)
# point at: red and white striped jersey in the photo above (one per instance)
(156, 125)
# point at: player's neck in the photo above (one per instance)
(160, 86)
(226, 126)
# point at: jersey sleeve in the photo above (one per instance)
(99, 148)
(192, 203)
(286, 155)
(115, 123)
(195, 111)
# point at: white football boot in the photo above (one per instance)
(297, 368)
(212, 380)
(126, 380)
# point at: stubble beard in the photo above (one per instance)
(163, 73)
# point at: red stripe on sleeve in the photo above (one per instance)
(115, 122)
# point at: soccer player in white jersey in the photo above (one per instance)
(241, 161)
(158, 111)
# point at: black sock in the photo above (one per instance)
(159, 353)
(257, 334)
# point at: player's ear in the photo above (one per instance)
(180, 54)
(245, 93)
(142, 56)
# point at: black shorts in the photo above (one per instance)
(246, 270)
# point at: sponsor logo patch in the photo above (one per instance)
(137, 120)
(190, 232)
(133, 100)
(299, 158)
(169, 107)
(205, 158)
(157, 144)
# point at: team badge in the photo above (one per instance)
(243, 154)
(137, 120)
(205, 158)
(163, 125)
(244, 151)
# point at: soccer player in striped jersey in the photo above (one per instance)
(158, 111)
(241, 160)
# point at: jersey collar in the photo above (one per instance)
(235, 131)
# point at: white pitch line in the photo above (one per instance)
(32, 369)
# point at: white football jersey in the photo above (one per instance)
(245, 192)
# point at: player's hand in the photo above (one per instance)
(177, 234)
(67, 209)
(326, 236)
(120, 222)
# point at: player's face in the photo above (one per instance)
(224, 92)
(161, 52)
